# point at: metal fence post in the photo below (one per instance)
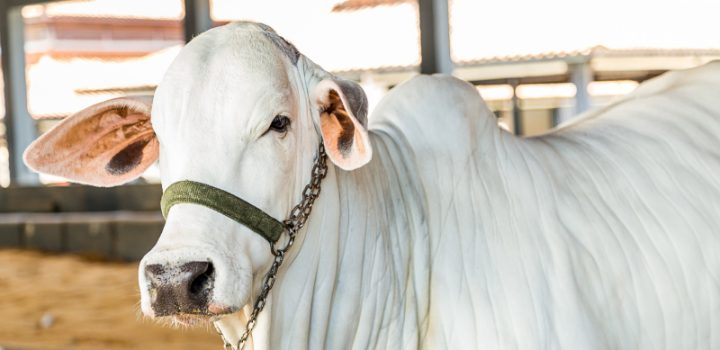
(20, 128)
(581, 75)
(197, 18)
(435, 37)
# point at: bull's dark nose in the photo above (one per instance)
(185, 288)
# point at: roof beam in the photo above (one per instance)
(19, 126)
(197, 18)
(435, 37)
(516, 109)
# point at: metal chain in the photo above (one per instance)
(295, 221)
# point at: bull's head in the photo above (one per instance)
(239, 109)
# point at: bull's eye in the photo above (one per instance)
(280, 123)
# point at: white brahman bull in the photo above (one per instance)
(435, 229)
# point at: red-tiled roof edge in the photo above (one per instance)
(107, 19)
(354, 5)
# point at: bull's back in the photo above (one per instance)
(638, 205)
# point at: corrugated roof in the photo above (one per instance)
(586, 54)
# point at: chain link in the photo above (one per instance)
(295, 221)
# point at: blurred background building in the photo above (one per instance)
(536, 63)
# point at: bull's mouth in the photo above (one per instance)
(189, 320)
(214, 313)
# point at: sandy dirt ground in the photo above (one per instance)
(67, 302)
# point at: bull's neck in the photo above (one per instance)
(351, 281)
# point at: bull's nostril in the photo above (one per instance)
(154, 273)
(203, 281)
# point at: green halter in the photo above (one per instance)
(224, 203)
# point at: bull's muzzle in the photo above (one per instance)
(180, 289)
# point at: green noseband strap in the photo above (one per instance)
(224, 203)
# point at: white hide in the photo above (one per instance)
(600, 235)
(603, 234)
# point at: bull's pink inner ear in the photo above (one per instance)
(107, 144)
(343, 115)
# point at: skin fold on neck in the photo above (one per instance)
(348, 272)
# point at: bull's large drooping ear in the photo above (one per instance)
(107, 144)
(343, 121)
